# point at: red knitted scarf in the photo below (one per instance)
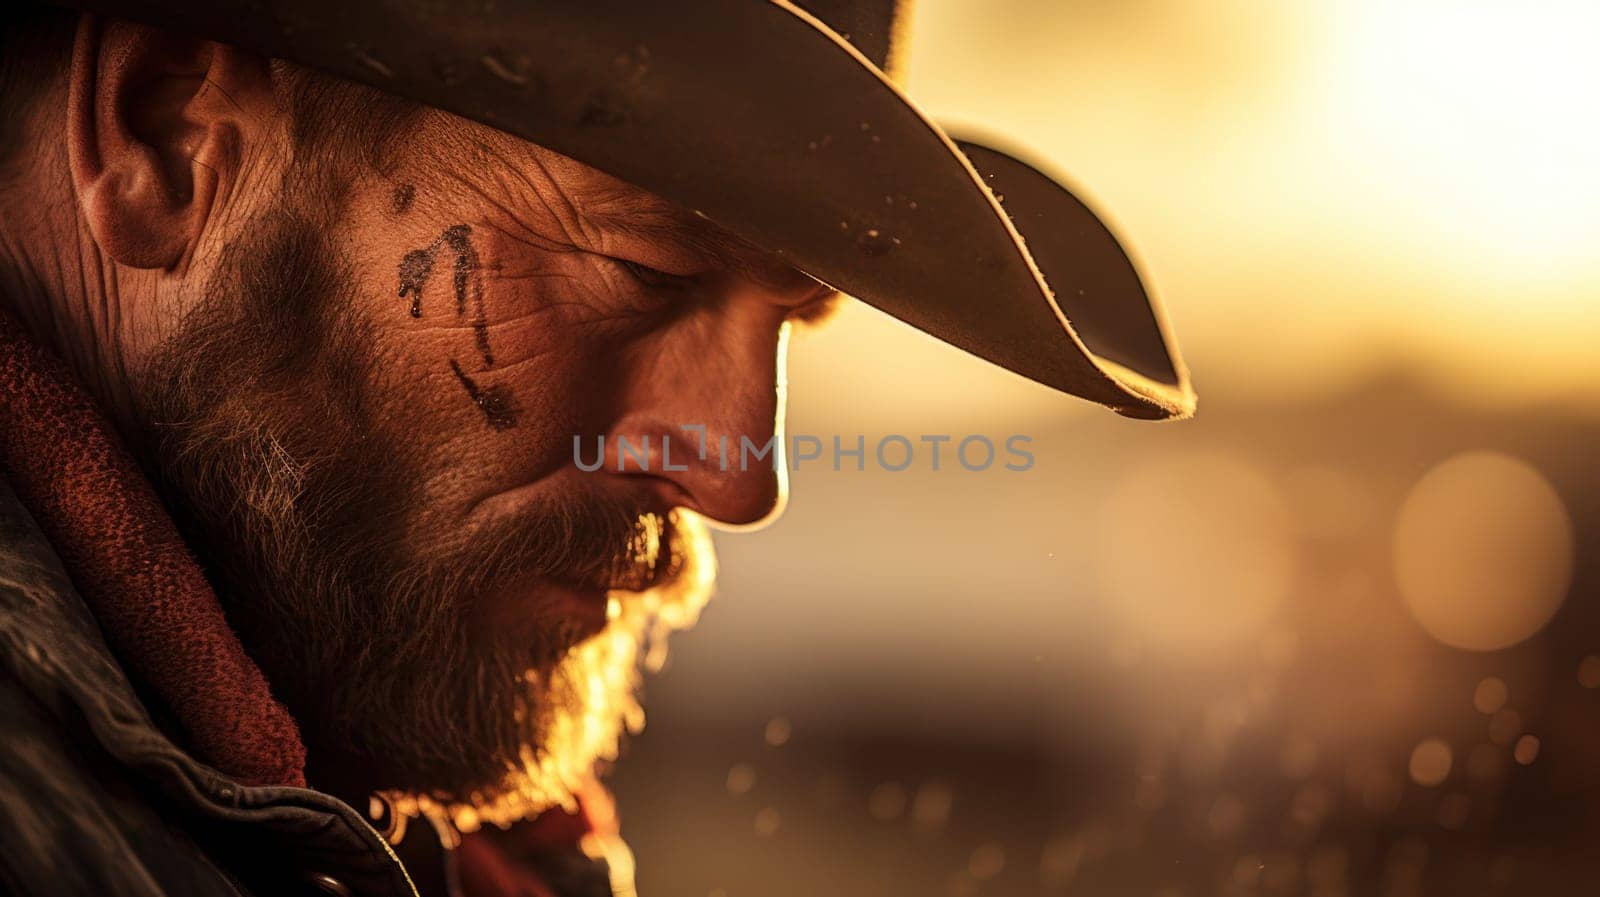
(126, 559)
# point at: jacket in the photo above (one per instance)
(95, 799)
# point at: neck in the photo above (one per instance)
(58, 285)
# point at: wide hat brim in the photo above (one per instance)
(763, 119)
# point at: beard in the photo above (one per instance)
(263, 437)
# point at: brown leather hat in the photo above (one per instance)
(779, 124)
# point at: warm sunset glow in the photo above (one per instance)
(1478, 117)
(1333, 636)
(1318, 191)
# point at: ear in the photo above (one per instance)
(155, 124)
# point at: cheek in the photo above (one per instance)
(476, 428)
(494, 348)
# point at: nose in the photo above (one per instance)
(705, 412)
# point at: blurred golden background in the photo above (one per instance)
(1336, 636)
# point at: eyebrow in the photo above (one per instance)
(650, 218)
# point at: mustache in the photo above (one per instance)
(589, 541)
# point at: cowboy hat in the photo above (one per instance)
(778, 122)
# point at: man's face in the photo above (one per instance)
(368, 427)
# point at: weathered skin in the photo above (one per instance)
(506, 298)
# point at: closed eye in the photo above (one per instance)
(654, 278)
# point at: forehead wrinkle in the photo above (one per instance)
(569, 216)
(587, 204)
(534, 184)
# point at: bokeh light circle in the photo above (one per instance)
(1589, 671)
(1430, 762)
(1483, 551)
(1490, 695)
